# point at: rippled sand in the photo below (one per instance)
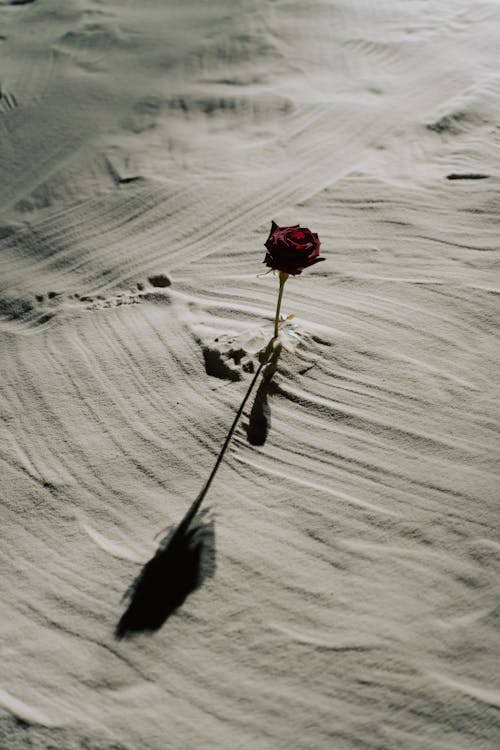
(353, 596)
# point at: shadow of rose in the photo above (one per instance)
(259, 419)
(184, 559)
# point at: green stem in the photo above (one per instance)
(283, 278)
(266, 359)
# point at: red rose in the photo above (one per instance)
(291, 249)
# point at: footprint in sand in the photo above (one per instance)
(33, 310)
(224, 358)
(41, 307)
(152, 291)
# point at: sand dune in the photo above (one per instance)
(144, 150)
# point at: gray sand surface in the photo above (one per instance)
(354, 603)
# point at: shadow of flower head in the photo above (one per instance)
(184, 558)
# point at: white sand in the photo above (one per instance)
(355, 601)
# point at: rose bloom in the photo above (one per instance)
(291, 249)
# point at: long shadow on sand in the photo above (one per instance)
(183, 560)
(186, 555)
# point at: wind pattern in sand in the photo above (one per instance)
(144, 149)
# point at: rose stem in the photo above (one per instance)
(283, 278)
(196, 504)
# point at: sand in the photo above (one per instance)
(144, 150)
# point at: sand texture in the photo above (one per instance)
(350, 595)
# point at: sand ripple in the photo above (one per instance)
(144, 152)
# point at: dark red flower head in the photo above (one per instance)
(291, 249)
